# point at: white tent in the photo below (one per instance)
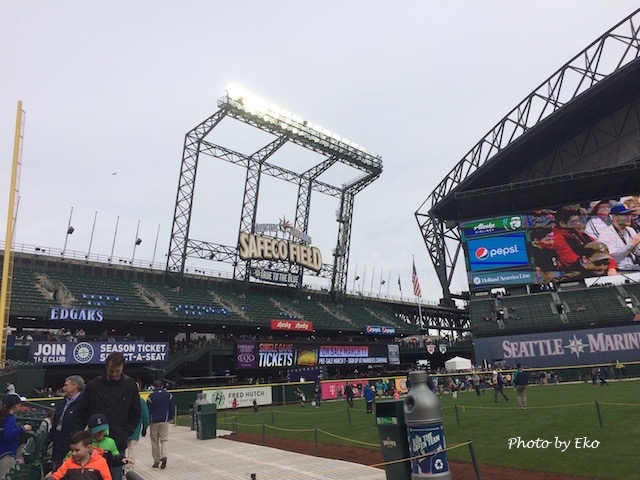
(457, 364)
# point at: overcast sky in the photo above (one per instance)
(111, 88)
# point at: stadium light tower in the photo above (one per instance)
(240, 105)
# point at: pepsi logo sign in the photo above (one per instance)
(482, 253)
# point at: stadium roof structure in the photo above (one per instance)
(573, 139)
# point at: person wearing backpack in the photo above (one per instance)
(521, 381)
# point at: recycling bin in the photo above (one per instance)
(392, 431)
(207, 421)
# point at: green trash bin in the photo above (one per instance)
(393, 438)
(207, 421)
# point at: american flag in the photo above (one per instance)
(416, 283)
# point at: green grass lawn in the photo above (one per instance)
(562, 412)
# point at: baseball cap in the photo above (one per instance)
(12, 399)
(597, 251)
(620, 209)
(98, 423)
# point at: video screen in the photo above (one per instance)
(567, 243)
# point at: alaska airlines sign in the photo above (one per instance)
(576, 347)
(269, 248)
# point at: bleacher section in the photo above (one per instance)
(594, 306)
(27, 294)
(211, 304)
(116, 296)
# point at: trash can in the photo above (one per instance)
(201, 399)
(393, 438)
(207, 421)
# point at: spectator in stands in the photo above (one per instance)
(595, 261)
(544, 255)
(569, 239)
(61, 427)
(115, 395)
(10, 431)
(599, 218)
(622, 239)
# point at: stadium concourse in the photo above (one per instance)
(221, 458)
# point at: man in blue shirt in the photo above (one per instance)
(161, 411)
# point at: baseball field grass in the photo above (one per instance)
(575, 429)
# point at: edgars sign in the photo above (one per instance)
(75, 314)
(74, 353)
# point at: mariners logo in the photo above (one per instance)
(83, 352)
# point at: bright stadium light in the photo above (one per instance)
(269, 116)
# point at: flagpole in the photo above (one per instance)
(416, 291)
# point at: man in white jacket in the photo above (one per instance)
(621, 239)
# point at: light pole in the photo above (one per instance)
(70, 230)
(155, 247)
(91, 238)
(136, 243)
(113, 245)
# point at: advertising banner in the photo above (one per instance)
(274, 276)
(292, 325)
(223, 398)
(378, 330)
(499, 252)
(491, 226)
(575, 347)
(335, 390)
(82, 353)
(495, 279)
(246, 356)
(293, 355)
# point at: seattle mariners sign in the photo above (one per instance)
(576, 347)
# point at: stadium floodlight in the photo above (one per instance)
(263, 113)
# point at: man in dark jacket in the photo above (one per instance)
(61, 426)
(161, 411)
(115, 395)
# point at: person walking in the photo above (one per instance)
(498, 386)
(369, 395)
(348, 393)
(132, 445)
(115, 395)
(161, 411)
(521, 381)
(61, 426)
